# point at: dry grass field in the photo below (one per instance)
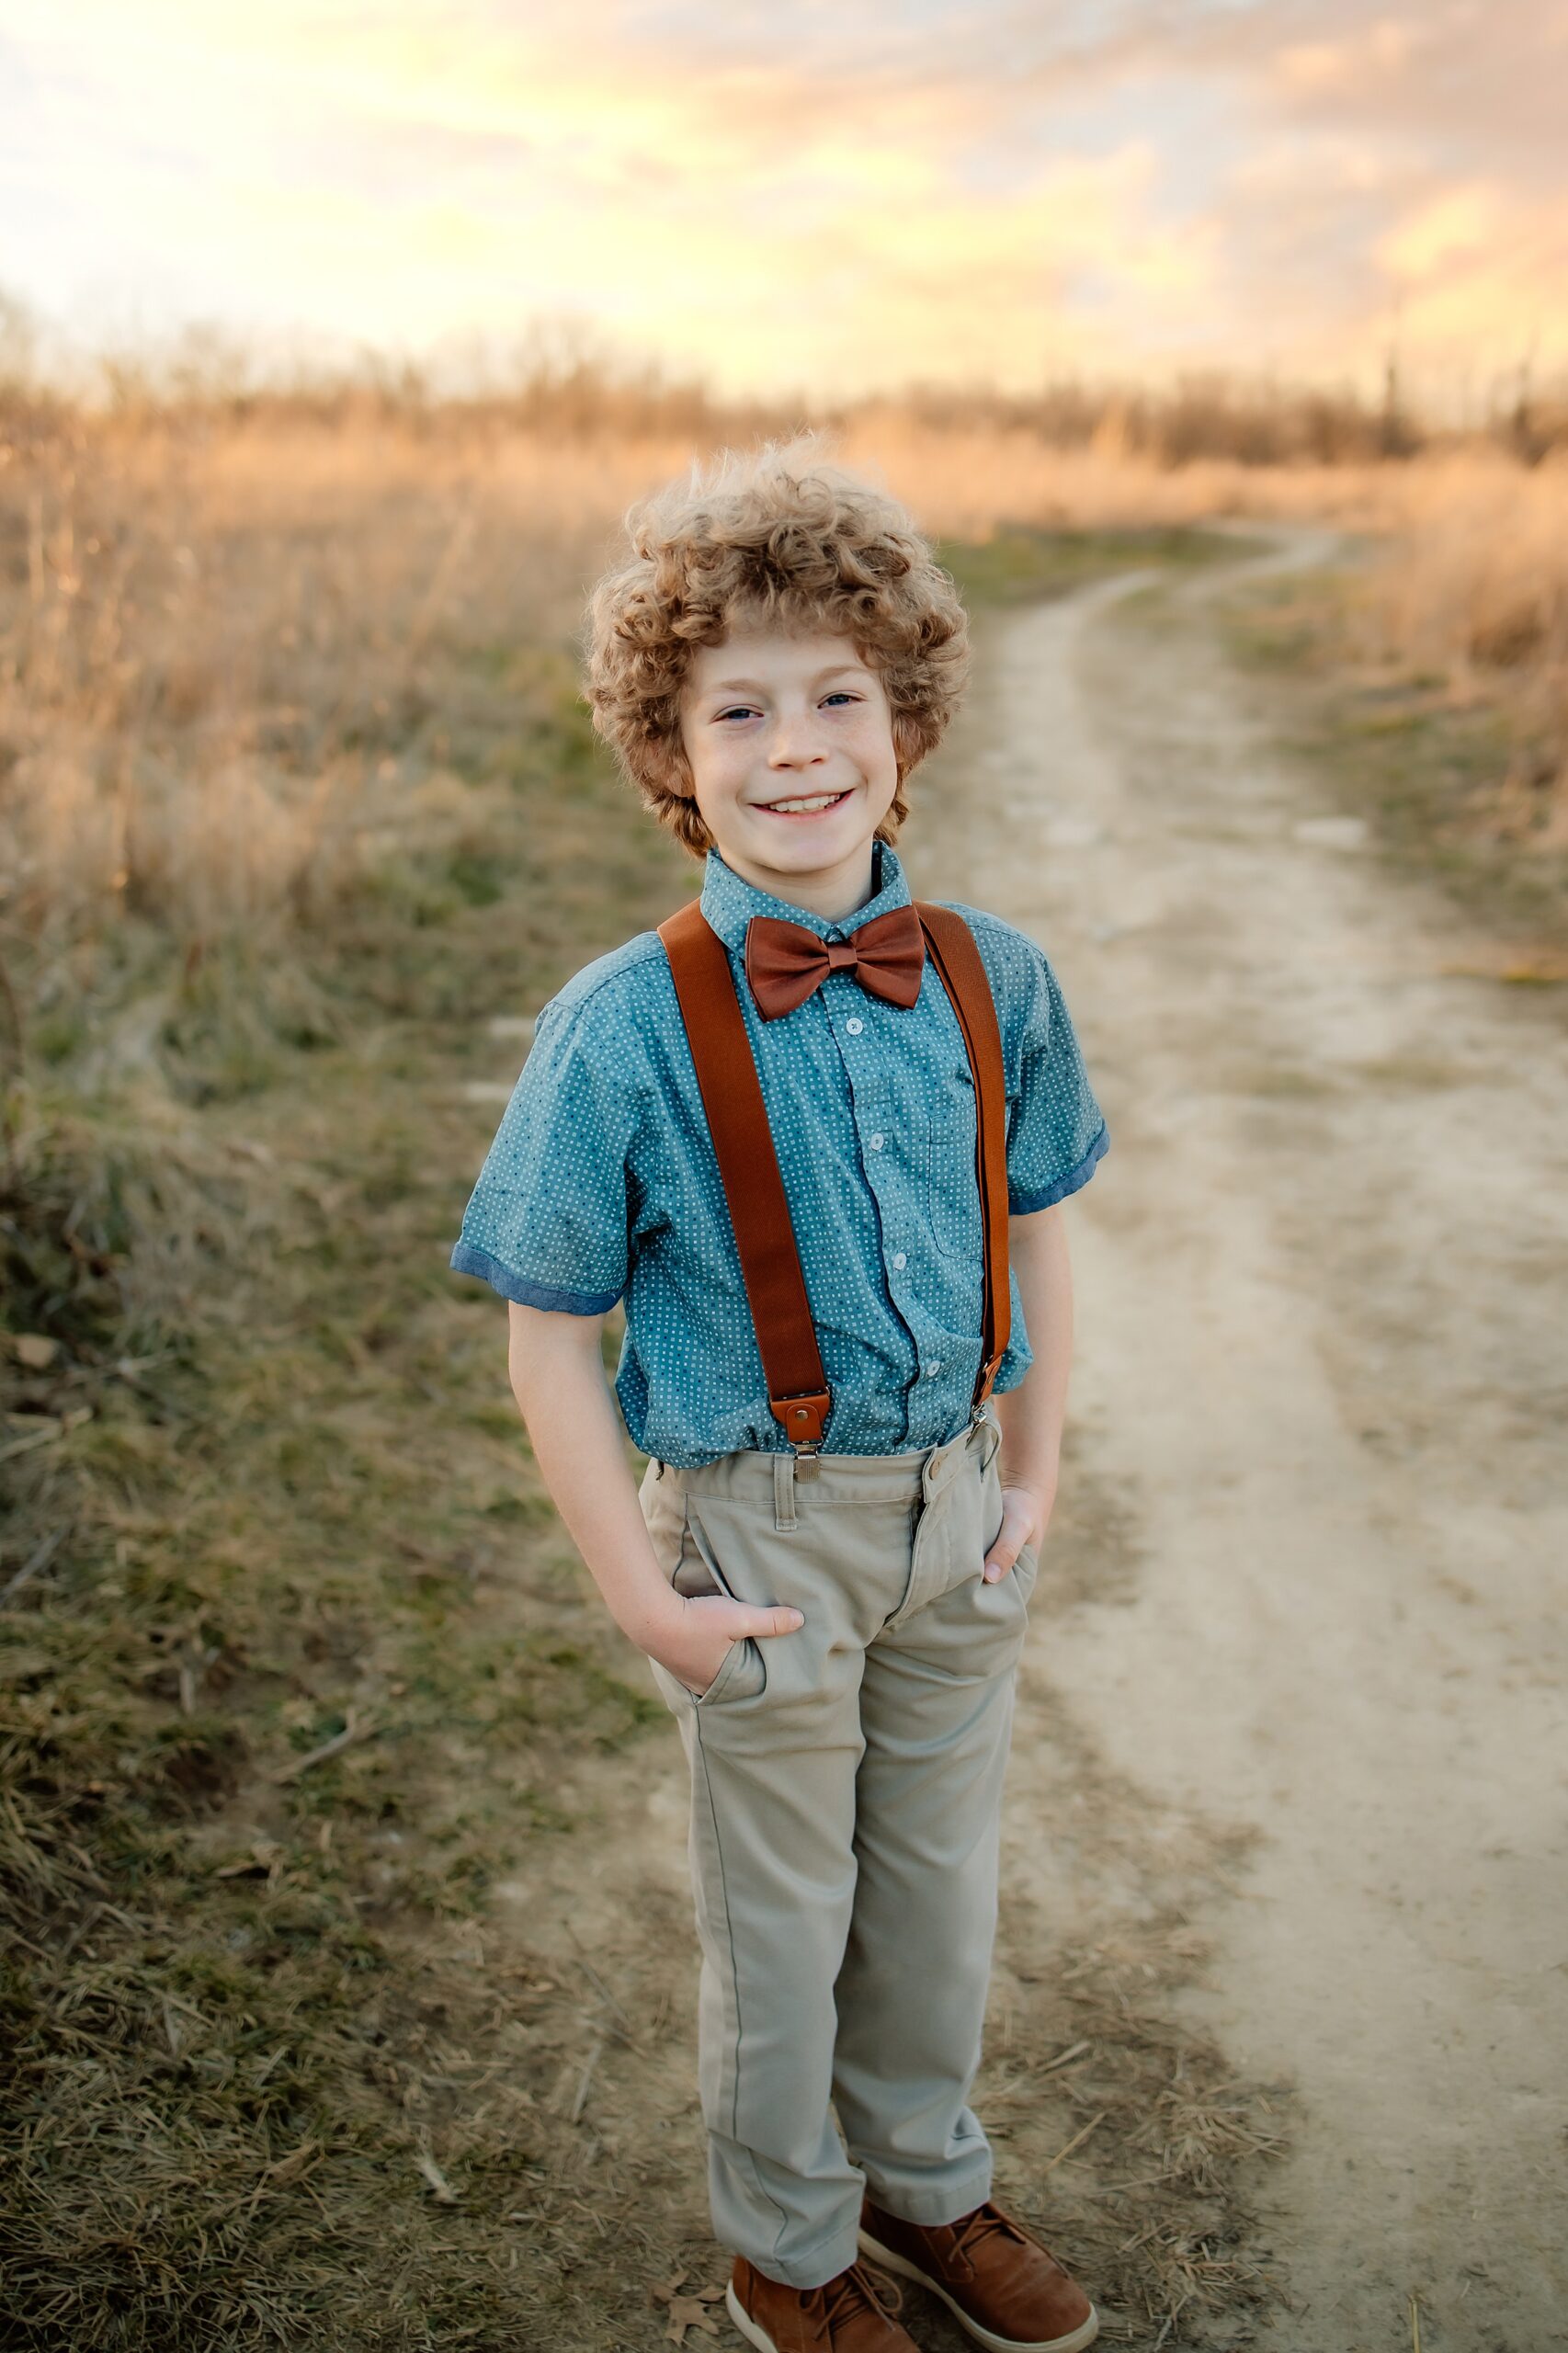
(297, 796)
(217, 631)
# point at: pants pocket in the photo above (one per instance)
(663, 1512)
(742, 1671)
(668, 1516)
(1025, 1568)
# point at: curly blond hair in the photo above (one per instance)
(784, 536)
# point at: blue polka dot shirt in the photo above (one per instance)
(602, 1183)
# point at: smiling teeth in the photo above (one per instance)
(817, 800)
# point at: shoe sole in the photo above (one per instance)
(744, 2323)
(1074, 2342)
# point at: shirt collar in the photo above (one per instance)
(728, 901)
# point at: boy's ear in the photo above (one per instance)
(677, 773)
(665, 762)
(909, 749)
(668, 790)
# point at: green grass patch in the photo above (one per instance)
(295, 1655)
(1020, 565)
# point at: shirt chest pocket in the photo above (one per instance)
(952, 1193)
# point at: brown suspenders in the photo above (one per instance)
(748, 1165)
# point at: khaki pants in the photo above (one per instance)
(845, 1791)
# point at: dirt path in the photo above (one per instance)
(1287, 1765)
(1309, 1593)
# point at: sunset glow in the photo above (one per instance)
(799, 196)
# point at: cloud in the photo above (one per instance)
(797, 193)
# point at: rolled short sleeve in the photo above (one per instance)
(548, 1222)
(1056, 1131)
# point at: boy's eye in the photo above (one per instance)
(841, 694)
(735, 710)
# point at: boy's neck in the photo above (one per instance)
(830, 891)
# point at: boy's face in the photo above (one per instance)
(790, 742)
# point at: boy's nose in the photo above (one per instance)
(793, 746)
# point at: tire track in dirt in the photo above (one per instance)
(1299, 1632)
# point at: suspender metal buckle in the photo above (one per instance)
(802, 1413)
(802, 1417)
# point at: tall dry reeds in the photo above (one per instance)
(221, 620)
(214, 638)
(965, 481)
(1472, 587)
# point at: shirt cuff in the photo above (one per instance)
(466, 1260)
(1074, 1180)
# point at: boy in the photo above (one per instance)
(799, 1129)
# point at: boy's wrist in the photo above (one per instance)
(1039, 1480)
(651, 1623)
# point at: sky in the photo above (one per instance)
(784, 195)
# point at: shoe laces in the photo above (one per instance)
(982, 2222)
(857, 2289)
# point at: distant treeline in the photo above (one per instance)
(566, 384)
(1248, 420)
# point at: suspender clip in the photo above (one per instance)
(803, 1417)
(983, 1414)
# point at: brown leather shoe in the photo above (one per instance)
(852, 2313)
(994, 2277)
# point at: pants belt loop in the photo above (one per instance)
(784, 1492)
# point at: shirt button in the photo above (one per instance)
(898, 1259)
(876, 1143)
(932, 1371)
(855, 1025)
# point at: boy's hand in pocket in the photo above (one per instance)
(694, 1646)
(1025, 1515)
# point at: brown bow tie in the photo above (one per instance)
(784, 962)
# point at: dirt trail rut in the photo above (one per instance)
(1320, 1379)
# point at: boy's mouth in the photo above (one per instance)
(805, 804)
